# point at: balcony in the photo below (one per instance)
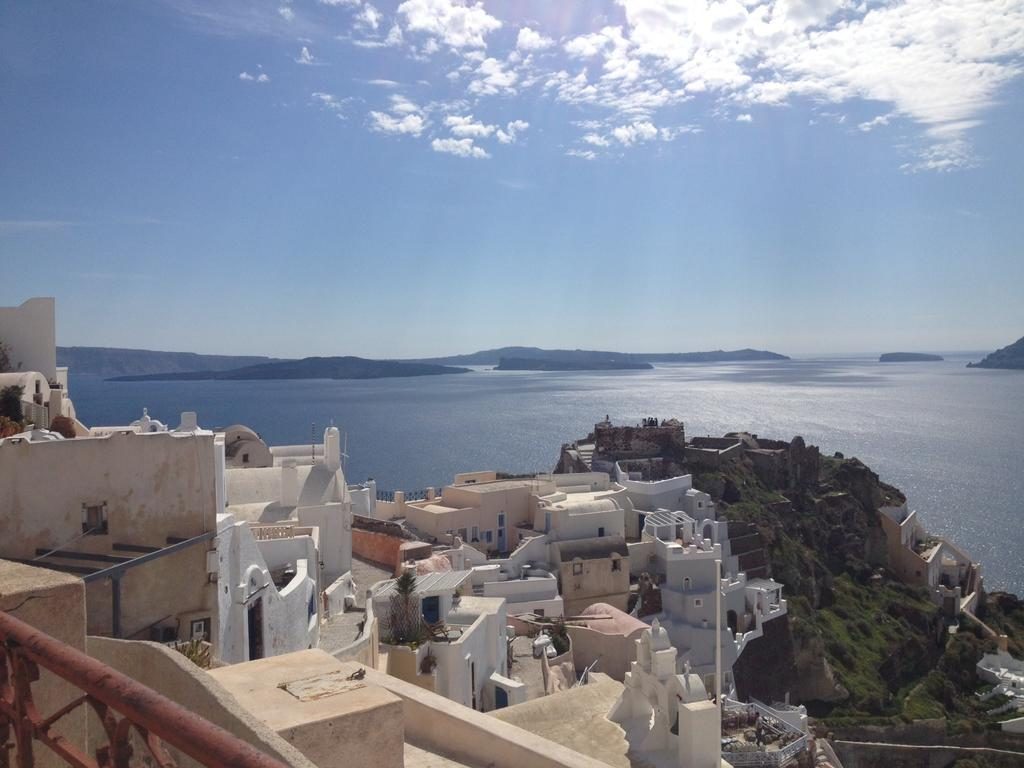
(131, 714)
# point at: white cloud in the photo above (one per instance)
(635, 132)
(305, 57)
(406, 117)
(259, 77)
(412, 125)
(404, 106)
(286, 13)
(466, 126)
(452, 22)
(340, 3)
(586, 46)
(369, 17)
(583, 154)
(531, 40)
(512, 131)
(384, 83)
(874, 122)
(937, 62)
(394, 37)
(491, 78)
(459, 147)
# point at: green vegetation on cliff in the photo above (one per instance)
(858, 645)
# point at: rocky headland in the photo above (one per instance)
(860, 645)
(1010, 357)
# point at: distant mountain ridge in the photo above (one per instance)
(307, 368)
(1010, 357)
(113, 361)
(534, 364)
(494, 356)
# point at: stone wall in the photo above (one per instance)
(639, 442)
(867, 755)
(171, 674)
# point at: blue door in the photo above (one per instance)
(431, 608)
(500, 698)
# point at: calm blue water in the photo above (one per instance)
(950, 437)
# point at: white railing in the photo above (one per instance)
(761, 757)
(757, 757)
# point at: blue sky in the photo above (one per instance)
(429, 176)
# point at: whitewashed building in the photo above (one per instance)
(467, 661)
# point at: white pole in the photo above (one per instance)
(718, 633)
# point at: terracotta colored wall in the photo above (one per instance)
(378, 548)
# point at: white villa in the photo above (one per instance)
(949, 574)
(29, 331)
(467, 661)
(691, 557)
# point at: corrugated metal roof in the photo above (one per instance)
(426, 583)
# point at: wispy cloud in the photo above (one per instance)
(11, 226)
(939, 65)
(330, 103)
(259, 77)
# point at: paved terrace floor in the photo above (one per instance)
(343, 629)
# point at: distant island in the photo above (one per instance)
(1011, 357)
(307, 368)
(112, 361)
(908, 357)
(565, 356)
(128, 364)
(534, 364)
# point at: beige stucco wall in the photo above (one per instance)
(464, 506)
(55, 604)
(30, 333)
(154, 486)
(170, 673)
(434, 723)
(597, 584)
(342, 722)
(613, 653)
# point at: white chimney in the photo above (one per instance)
(289, 484)
(332, 448)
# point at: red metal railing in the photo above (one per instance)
(122, 704)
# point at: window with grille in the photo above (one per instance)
(94, 519)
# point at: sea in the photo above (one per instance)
(950, 437)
